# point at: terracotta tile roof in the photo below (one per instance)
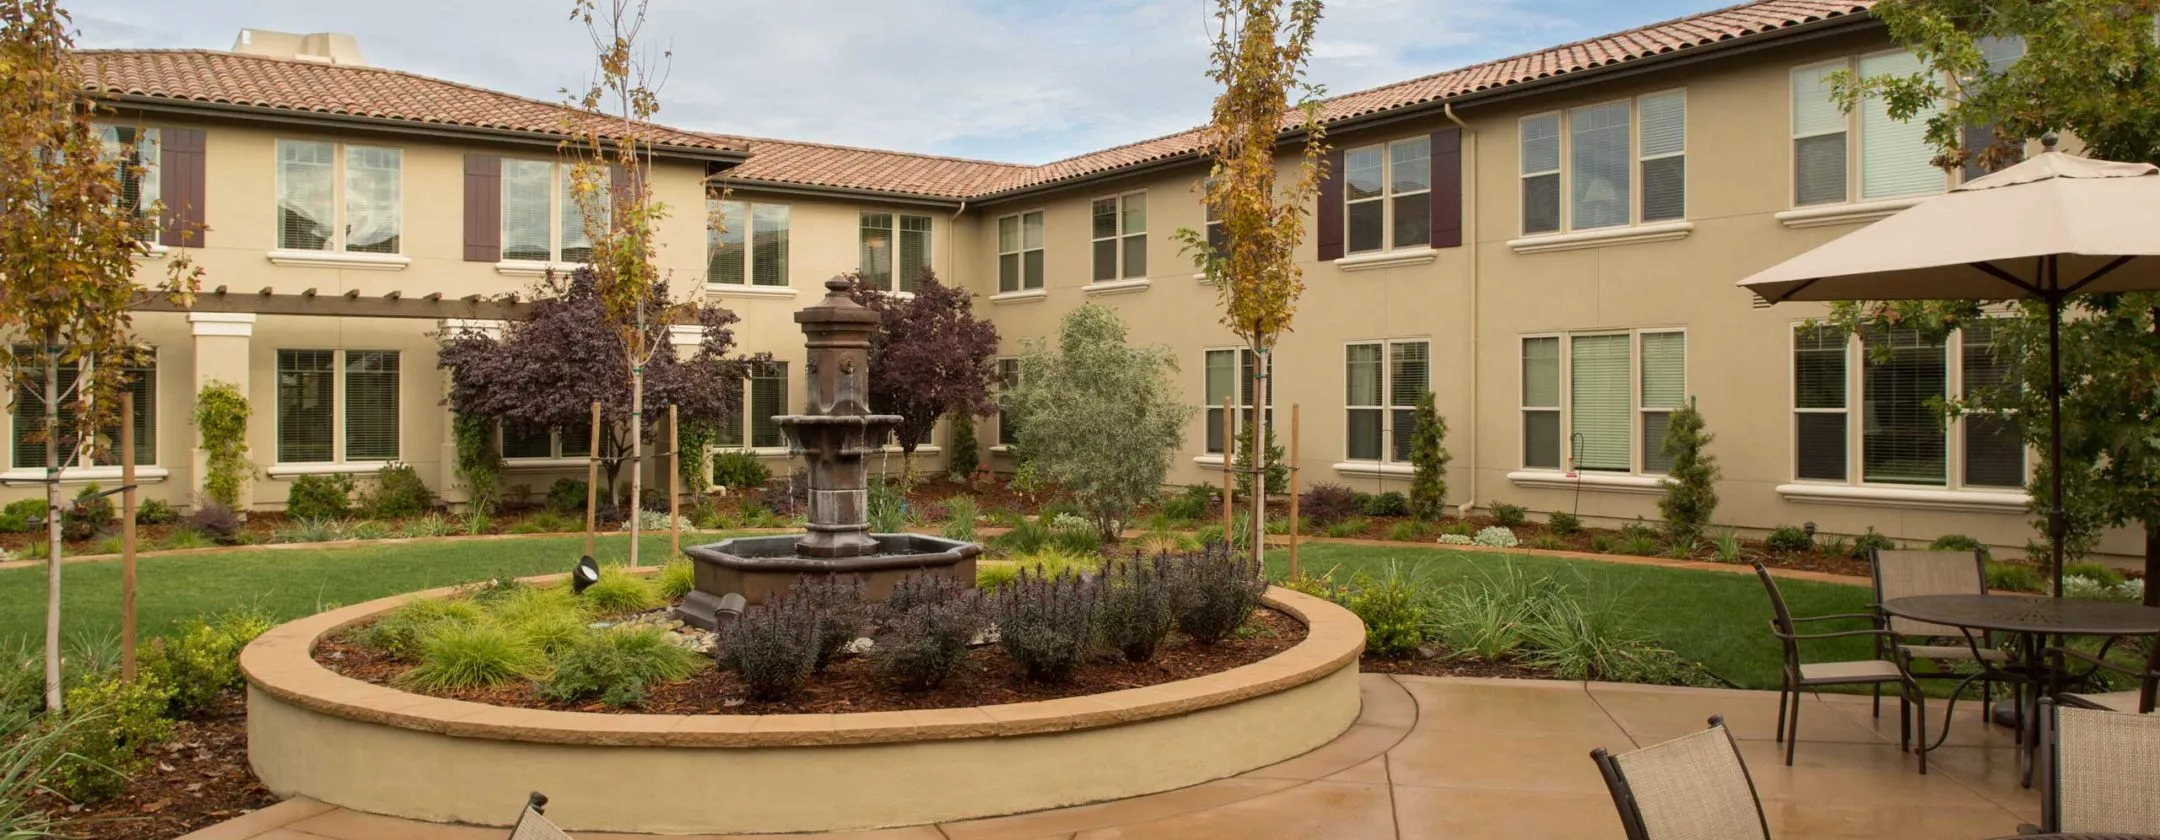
(843, 167)
(346, 90)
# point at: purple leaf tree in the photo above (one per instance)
(929, 356)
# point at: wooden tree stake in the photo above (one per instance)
(592, 482)
(127, 537)
(674, 481)
(1229, 447)
(1293, 490)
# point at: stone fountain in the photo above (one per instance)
(834, 434)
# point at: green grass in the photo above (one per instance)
(1721, 620)
(284, 583)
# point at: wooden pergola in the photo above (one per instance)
(351, 304)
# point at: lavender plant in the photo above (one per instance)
(1046, 623)
(1215, 591)
(1137, 608)
(774, 648)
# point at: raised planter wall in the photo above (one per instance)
(312, 732)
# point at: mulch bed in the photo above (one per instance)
(852, 684)
(198, 779)
(1440, 666)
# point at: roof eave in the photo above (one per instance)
(1809, 30)
(822, 191)
(258, 113)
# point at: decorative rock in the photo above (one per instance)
(859, 647)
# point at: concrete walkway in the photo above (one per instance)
(1470, 758)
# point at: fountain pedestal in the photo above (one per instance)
(834, 435)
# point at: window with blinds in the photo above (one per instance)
(30, 411)
(768, 399)
(373, 204)
(1661, 151)
(527, 207)
(1362, 389)
(1895, 156)
(914, 251)
(1132, 228)
(1664, 388)
(1540, 173)
(769, 244)
(1599, 182)
(1819, 132)
(876, 262)
(306, 406)
(1601, 400)
(1387, 196)
(1541, 402)
(1978, 142)
(1218, 239)
(1819, 413)
(371, 405)
(134, 153)
(1994, 444)
(575, 440)
(1020, 252)
(1008, 379)
(576, 242)
(1902, 438)
(1409, 377)
(1230, 377)
(1119, 233)
(1365, 199)
(306, 194)
(521, 442)
(726, 260)
(728, 433)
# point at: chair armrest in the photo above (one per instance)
(1842, 634)
(1850, 616)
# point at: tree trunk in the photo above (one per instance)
(637, 453)
(52, 524)
(2152, 564)
(1261, 393)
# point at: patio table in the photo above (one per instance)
(2032, 620)
(2080, 837)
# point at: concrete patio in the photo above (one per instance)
(1471, 758)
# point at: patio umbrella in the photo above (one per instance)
(2053, 226)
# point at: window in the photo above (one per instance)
(764, 227)
(1606, 396)
(1378, 395)
(1895, 157)
(1902, 436)
(1020, 252)
(574, 441)
(1605, 148)
(309, 415)
(1120, 237)
(139, 379)
(1218, 238)
(332, 202)
(1008, 379)
(879, 233)
(1387, 196)
(1230, 372)
(134, 151)
(768, 399)
(541, 220)
(728, 434)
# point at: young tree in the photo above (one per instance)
(929, 356)
(1259, 56)
(1098, 418)
(545, 372)
(1998, 75)
(1691, 483)
(70, 232)
(1428, 461)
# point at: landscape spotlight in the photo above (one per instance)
(586, 574)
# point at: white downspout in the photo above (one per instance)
(1470, 241)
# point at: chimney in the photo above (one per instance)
(320, 47)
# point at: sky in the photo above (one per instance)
(1020, 80)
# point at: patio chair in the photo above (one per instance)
(2136, 701)
(1694, 787)
(533, 824)
(2097, 771)
(1912, 713)
(1902, 574)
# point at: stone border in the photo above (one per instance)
(332, 738)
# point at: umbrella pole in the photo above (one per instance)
(2058, 526)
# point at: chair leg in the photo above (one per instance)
(1920, 721)
(1783, 692)
(1792, 732)
(1877, 691)
(1904, 720)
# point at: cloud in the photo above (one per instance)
(1026, 82)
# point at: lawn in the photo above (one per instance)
(1718, 619)
(285, 582)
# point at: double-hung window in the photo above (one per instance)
(1601, 401)
(572, 441)
(134, 154)
(139, 379)
(338, 197)
(1230, 377)
(1606, 165)
(895, 246)
(1881, 393)
(541, 218)
(315, 426)
(1387, 196)
(749, 246)
(768, 399)
(1120, 237)
(1382, 383)
(1896, 160)
(1020, 251)
(1008, 431)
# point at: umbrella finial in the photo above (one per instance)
(2048, 141)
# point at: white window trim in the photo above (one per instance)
(1020, 238)
(545, 463)
(749, 287)
(1027, 296)
(337, 464)
(732, 290)
(1646, 485)
(1543, 243)
(1373, 469)
(336, 256)
(1569, 475)
(2013, 502)
(1856, 486)
(325, 468)
(1387, 198)
(1855, 209)
(1118, 235)
(534, 268)
(144, 474)
(1386, 407)
(930, 249)
(1116, 287)
(1848, 213)
(1375, 260)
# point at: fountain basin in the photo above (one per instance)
(758, 568)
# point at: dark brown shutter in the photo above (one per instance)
(1447, 198)
(180, 185)
(1329, 217)
(483, 208)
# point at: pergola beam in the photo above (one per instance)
(348, 305)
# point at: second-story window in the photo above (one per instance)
(1120, 237)
(541, 220)
(895, 247)
(1896, 159)
(1580, 168)
(1020, 252)
(1387, 195)
(134, 151)
(750, 246)
(338, 197)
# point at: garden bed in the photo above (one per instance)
(197, 779)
